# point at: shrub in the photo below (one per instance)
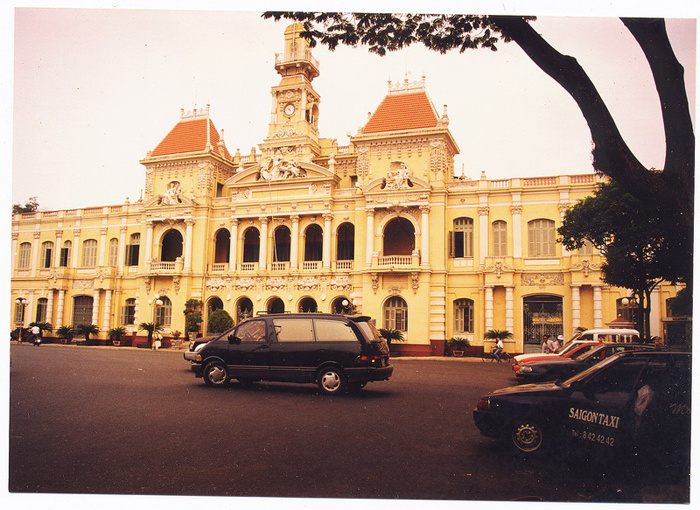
(219, 321)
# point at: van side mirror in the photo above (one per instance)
(233, 339)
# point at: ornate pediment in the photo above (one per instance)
(174, 196)
(282, 172)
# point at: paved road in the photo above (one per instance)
(130, 421)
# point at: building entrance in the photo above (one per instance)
(542, 315)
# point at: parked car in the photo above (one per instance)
(574, 350)
(589, 335)
(195, 345)
(634, 405)
(336, 352)
(557, 369)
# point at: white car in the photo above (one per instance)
(194, 347)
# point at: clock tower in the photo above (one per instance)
(293, 134)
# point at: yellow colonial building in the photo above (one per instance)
(381, 227)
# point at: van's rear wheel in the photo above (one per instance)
(215, 374)
(332, 381)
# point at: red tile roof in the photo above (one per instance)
(191, 135)
(398, 112)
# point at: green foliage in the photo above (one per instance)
(219, 321)
(458, 343)
(682, 304)
(391, 335)
(43, 326)
(86, 330)
(66, 332)
(193, 315)
(150, 328)
(117, 333)
(496, 334)
(30, 206)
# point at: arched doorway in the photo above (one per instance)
(542, 315)
(244, 309)
(308, 305)
(251, 245)
(222, 246)
(82, 310)
(275, 305)
(346, 242)
(171, 247)
(399, 237)
(339, 306)
(282, 244)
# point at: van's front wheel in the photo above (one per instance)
(214, 374)
(332, 381)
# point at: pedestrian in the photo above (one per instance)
(560, 342)
(36, 335)
(545, 344)
(157, 337)
(497, 350)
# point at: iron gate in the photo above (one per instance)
(542, 315)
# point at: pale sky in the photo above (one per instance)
(95, 89)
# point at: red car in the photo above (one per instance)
(574, 352)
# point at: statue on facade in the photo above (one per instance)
(280, 169)
(172, 194)
(397, 175)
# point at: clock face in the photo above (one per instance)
(289, 109)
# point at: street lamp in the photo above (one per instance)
(156, 302)
(19, 319)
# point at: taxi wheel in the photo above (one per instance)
(331, 381)
(215, 374)
(528, 435)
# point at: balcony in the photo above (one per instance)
(166, 267)
(344, 265)
(396, 262)
(280, 266)
(249, 267)
(218, 267)
(311, 265)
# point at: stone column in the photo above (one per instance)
(59, 246)
(49, 306)
(15, 238)
(95, 305)
(294, 255)
(108, 310)
(30, 310)
(262, 260)
(597, 306)
(562, 211)
(35, 254)
(575, 306)
(59, 307)
(122, 249)
(233, 247)
(189, 227)
(369, 248)
(483, 234)
(510, 315)
(488, 307)
(149, 244)
(103, 245)
(75, 248)
(516, 211)
(327, 240)
(425, 236)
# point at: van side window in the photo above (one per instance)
(334, 331)
(294, 330)
(252, 331)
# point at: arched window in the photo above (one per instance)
(464, 316)
(129, 312)
(282, 244)
(500, 238)
(251, 245)
(132, 250)
(41, 307)
(46, 254)
(65, 254)
(89, 253)
(222, 246)
(587, 248)
(399, 237)
(171, 247)
(113, 252)
(164, 312)
(462, 239)
(244, 309)
(541, 238)
(346, 242)
(82, 310)
(308, 305)
(313, 243)
(396, 314)
(275, 305)
(25, 252)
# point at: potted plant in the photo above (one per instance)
(176, 338)
(65, 333)
(458, 344)
(86, 330)
(391, 335)
(116, 334)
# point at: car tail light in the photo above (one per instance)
(372, 361)
(484, 404)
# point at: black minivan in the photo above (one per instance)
(337, 352)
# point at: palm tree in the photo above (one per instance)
(116, 333)
(65, 332)
(43, 326)
(391, 334)
(498, 334)
(150, 328)
(86, 330)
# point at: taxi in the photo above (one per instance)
(633, 405)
